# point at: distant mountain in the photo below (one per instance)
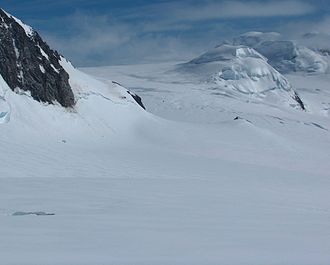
(316, 41)
(254, 38)
(243, 71)
(284, 55)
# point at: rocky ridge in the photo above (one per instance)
(27, 63)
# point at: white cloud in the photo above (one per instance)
(207, 10)
(313, 34)
(146, 33)
(237, 9)
(322, 26)
(89, 37)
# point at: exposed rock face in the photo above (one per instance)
(137, 99)
(134, 96)
(28, 63)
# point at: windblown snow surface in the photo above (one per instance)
(185, 183)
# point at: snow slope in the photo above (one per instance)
(169, 95)
(103, 100)
(4, 106)
(127, 187)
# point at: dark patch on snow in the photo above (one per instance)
(222, 94)
(240, 118)
(116, 83)
(299, 101)
(280, 120)
(316, 125)
(137, 99)
(148, 89)
(32, 213)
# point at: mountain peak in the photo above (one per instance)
(28, 30)
(284, 55)
(29, 64)
(243, 72)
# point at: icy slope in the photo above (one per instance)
(99, 107)
(242, 71)
(284, 55)
(5, 109)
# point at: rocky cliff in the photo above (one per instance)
(28, 63)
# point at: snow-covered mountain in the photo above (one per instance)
(242, 71)
(317, 41)
(284, 55)
(29, 67)
(254, 38)
(230, 176)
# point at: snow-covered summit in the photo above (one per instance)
(316, 41)
(242, 71)
(254, 38)
(284, 55)
(226, 52)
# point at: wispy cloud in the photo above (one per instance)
(209, 10)
(314, 34)
(163, 31)
(89, 38)
(102, 39)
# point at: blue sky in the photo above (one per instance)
(106, 32)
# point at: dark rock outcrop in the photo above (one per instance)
(300, 102)
(137, 99)
(28, 63)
